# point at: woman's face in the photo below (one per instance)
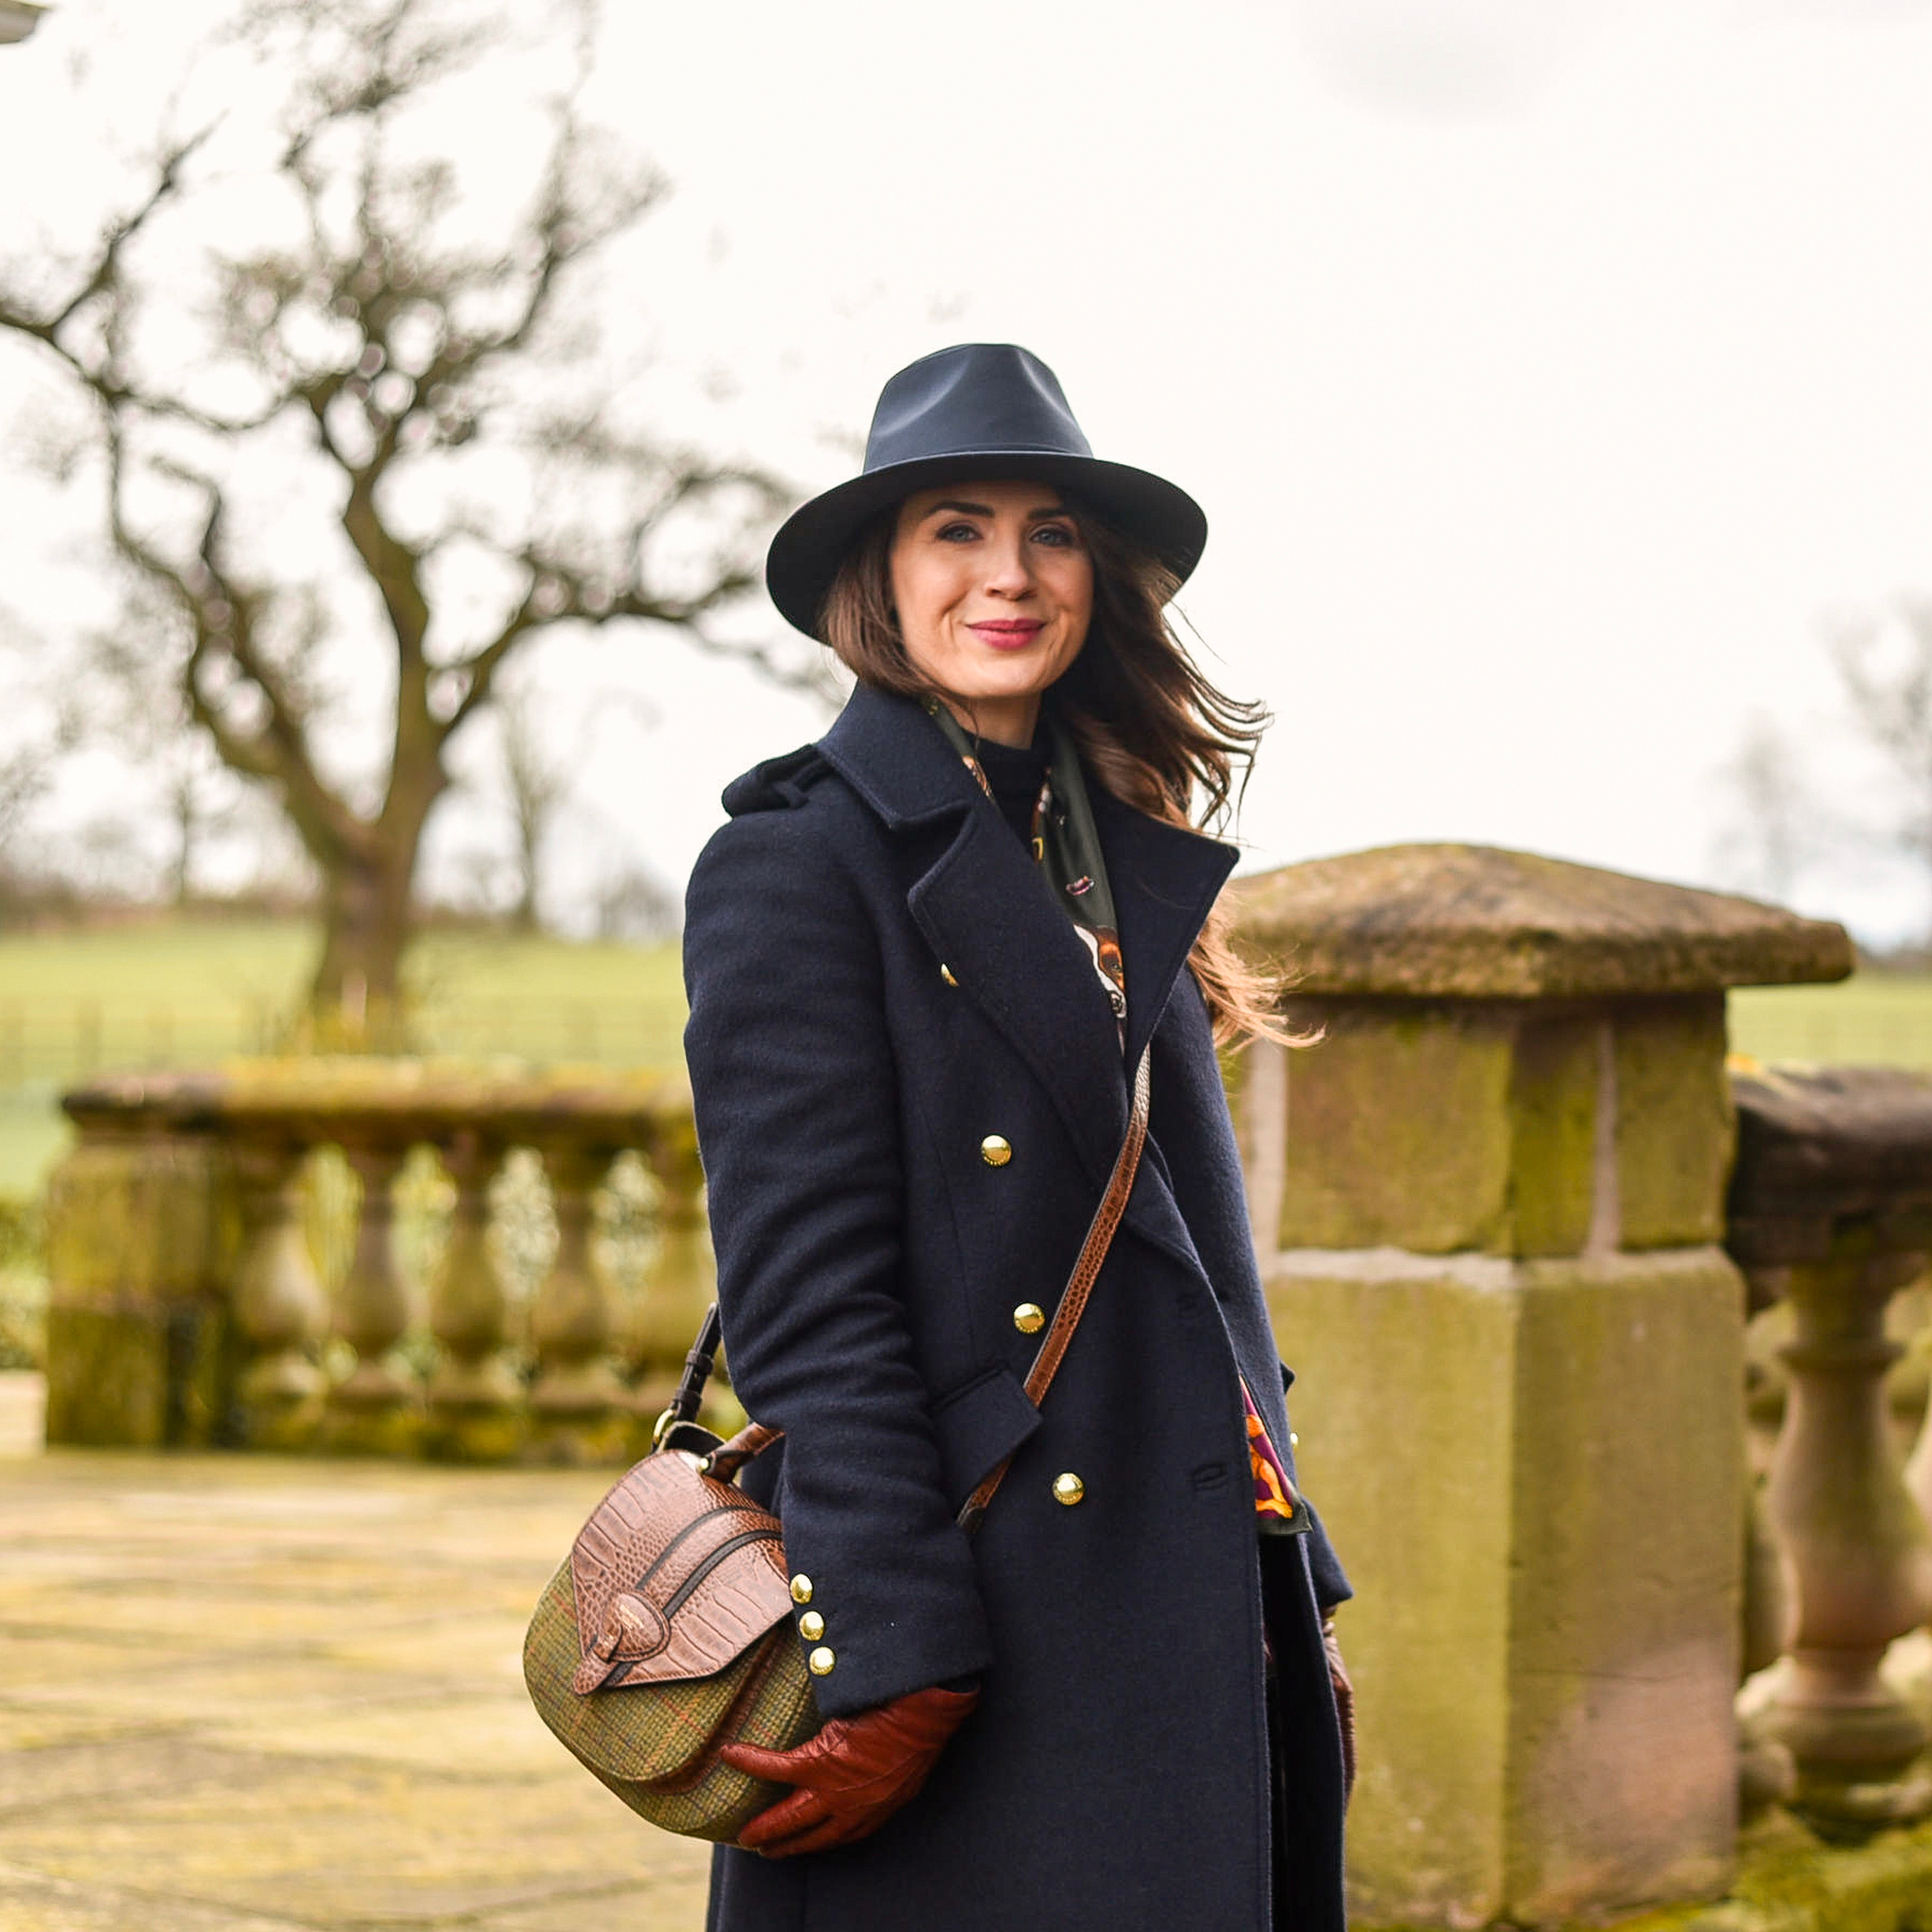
(994, 591)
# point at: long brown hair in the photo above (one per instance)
(1151, 728)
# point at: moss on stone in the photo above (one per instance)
(1399, 1126)
(140, 1235)
(1677, 1128)
(1475, 922)
(1552, 1089)
(1790, 1881)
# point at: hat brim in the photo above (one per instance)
(812, 543)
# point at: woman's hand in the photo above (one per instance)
(853, 1775)
(1344, 1703)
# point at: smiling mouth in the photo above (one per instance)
(1006, 633)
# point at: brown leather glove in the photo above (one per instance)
(853, 1775)
(1344, 1703)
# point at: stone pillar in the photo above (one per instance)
(476, 1399)
(1831, 1205)
(140, 1241)
(1488, 1204)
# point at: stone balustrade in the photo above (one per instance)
(185, 1304)
(1830, 1213)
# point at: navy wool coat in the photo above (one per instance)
(1115, 1777)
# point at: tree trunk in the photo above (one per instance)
(356, 1002)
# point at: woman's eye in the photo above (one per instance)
(1057, 535)
(956, 533)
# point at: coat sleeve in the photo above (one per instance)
(798, 1113)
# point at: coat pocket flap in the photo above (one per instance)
(979, 1425)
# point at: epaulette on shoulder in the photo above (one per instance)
(779, 784)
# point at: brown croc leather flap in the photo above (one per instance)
(675, 1575)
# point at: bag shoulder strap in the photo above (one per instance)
(729, 1458)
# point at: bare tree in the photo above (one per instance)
(27, 766)
(197, 812)
(538, 781)
(1771, 833)
(633, 903)
(1884, 662)
(440, 391)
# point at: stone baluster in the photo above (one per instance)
(1821, 1203)
(376, 1407)
(1766, 1774)
(682, 1281)
(475, 1398)
(279, 1306)
(1916, 1681)
(579, 1411)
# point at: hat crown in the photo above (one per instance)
(979, 399)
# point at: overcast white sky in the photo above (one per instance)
(1547, 369)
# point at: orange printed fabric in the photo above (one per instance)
(1273, 1493)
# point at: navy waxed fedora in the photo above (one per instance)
(982, 410)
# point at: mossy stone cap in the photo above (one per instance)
(1475, 922)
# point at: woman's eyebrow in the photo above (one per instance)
(984, 509)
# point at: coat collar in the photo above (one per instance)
(896, 759)
(1165, 882)
(986, 910)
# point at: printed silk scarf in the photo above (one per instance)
(1066, 848)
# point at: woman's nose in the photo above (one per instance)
(1008, 572)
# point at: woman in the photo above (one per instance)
(925, 958)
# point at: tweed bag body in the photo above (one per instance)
(665, 1634)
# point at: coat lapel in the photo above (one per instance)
(987, 911)
(1165, 881)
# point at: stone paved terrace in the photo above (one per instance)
(257, 1695)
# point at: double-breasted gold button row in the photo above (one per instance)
(811, 1626)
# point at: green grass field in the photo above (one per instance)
(193, 991)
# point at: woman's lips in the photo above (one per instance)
(1006, 633)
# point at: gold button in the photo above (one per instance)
(801, 1589)
(946, 974)
(1029, 1318)
(1068, 1489)
(811, 1626)
(995, 1150)
(820, 1662)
